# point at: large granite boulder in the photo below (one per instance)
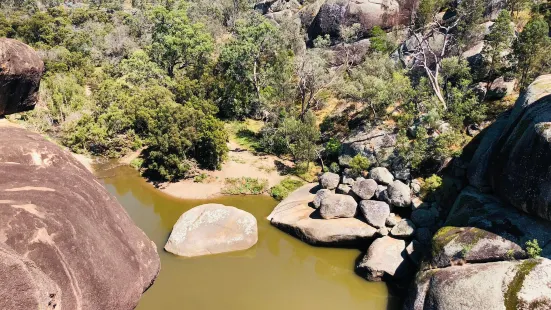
(329, 180)
(514, 155)
(337, 205)
(490, 286)
(211, 229)
(386, 258)
(377, 144)
(335, 14)
(375, 212)
(457, 245)
(294, 216)
(381, 175)
(20, 73)
(399, 194)
(364, 189)
(65, 240)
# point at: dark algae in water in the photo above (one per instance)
(279, 272)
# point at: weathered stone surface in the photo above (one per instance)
(500, 88)
(329, 180)
(423, 218)
(293, 215)
(490, 286)
(386, 258)
(380, 193)
(399, 194)
(514, 155)
(24, 285)
(375, 212)
(453, 245)
(486, 212)
(377, 144)
(391, 220)
(338, 206)
(351, 53)
(383, 231)
(415, 252)
(211, 229)
(343, 189)
(20, 73)
(320, 195)
(381, 175)
(364, 189)
(423, 235)
(403, 229)
(78, 243)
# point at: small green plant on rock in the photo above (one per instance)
(533, 248)
(359, 163)
(431, 185)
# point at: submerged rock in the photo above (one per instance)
(65, 240)
(211, 229)
(386, 258)
(293, 215)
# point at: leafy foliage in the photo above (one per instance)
(359, 164)
(284, 188)
(533, 249)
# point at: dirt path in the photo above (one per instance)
(240, 163)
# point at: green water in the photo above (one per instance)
(279, 272)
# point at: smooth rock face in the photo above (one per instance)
(472, 245)
(490, 286)
(375, 212)
(399, 194)
(364, 189)
(404, 229)
(320, 195)
(337, 206)
(20, 73)
(78, 243)
(293, 215)
(211, 229)
(386, 257)
(381, 175)
(329, 180)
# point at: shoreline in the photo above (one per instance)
(240, 163)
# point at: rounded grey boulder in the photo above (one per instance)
(399, 194)
(364, 189)
(320, 195)
(375, 212)
(211, 229)
(338, 206)
(386, 257)
(381, 175)
(404, 229)
(329, 180)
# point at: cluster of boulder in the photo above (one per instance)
(380, 214)
(65, 243)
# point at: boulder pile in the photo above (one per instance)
(376, 213)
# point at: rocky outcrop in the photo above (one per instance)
(492, 286)
(64, 237)
(386, 257)
(296, 217)
(513, 157)
(338, 206)
(212, 229)
(20, 73)
(335, 14)
(377, 144)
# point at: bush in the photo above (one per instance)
(245, 186)
(533, 248)
(283, 189)
(431, 185)
(333, 148)
(200, 178)
(359, 163)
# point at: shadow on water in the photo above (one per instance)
(279, 272)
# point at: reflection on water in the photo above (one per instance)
(279, 272)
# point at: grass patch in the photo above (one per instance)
(283, 189)
(200, 178)
(244, 186)
(307, 172)
(245, 133)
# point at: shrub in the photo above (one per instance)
(245, 186)
(431, 184)
(200, 178)
(533, 248)
(332, 148)
(283, 189)
(359, 163)
(334, 167)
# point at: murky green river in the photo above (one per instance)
(279, 272)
